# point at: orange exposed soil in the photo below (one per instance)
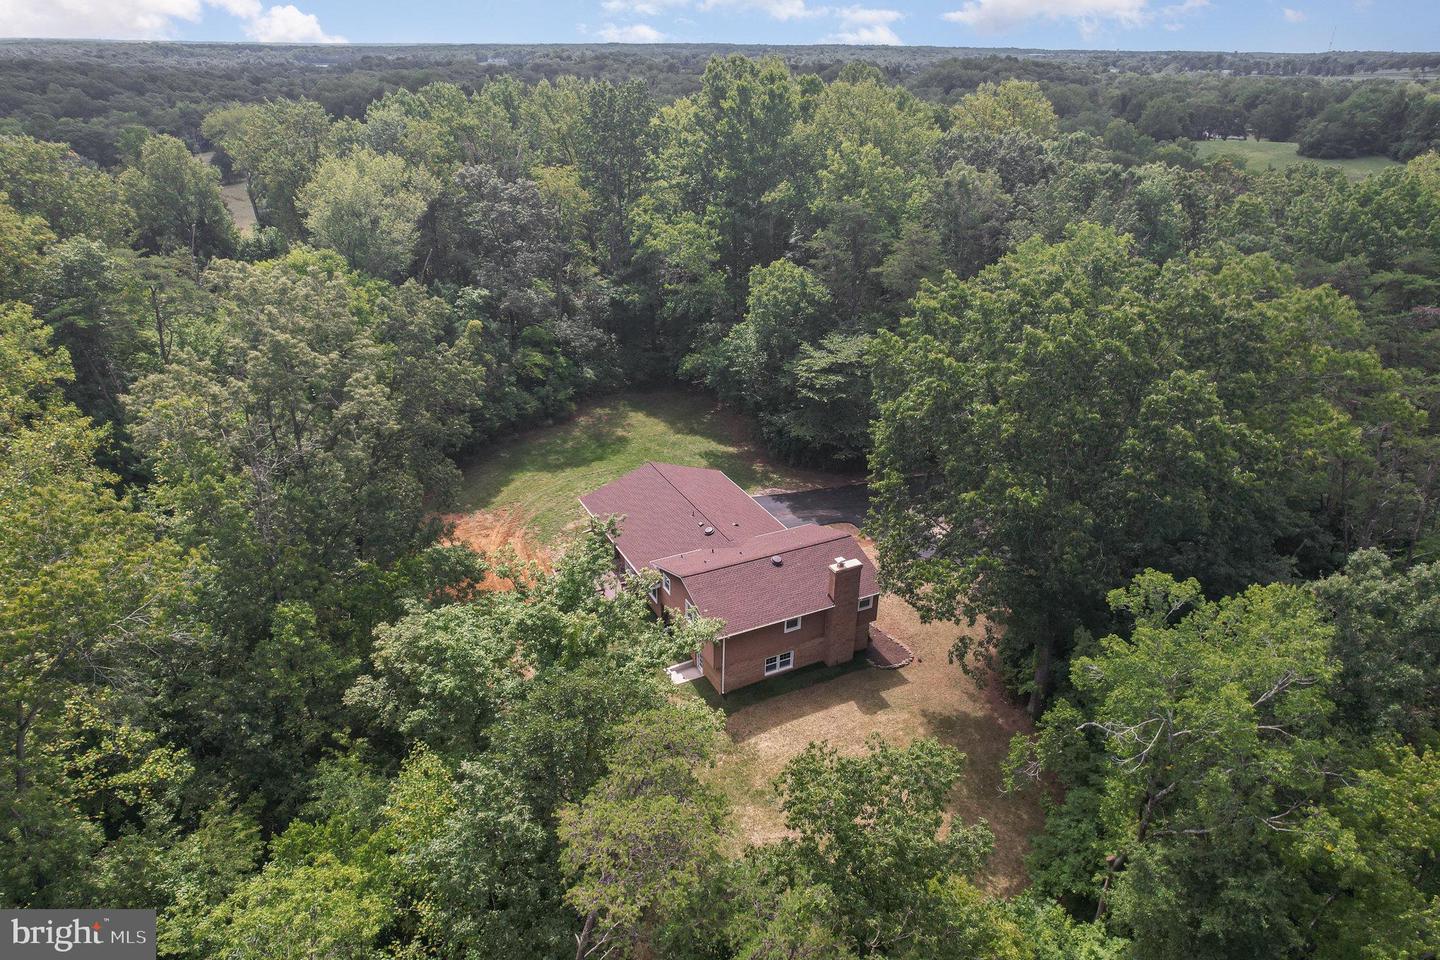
(500, 534)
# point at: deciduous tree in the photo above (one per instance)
(1211, 730)
(367, 207)
(176, 201)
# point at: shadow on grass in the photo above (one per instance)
(542, 471)
(601, 434)
(787, 682)
(593, 437)
(738, 452)
(1015, 817)
(732, 443)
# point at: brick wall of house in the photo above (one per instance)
(863, 619)
(744, 655)
(672, 605)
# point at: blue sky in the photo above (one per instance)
(1275, 25)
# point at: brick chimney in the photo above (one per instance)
(845, 594)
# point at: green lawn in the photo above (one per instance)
(540, 473)
(1259, 154)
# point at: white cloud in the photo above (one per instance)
(1175, 12)
(153, 19)
(1294, 16)
(867, 16)
(1186, 6)
(998, 15)
(288, 25)
(777, 9)
(630, 33)
(641, 8)
(107, 19)
(245, 9)
(866, 25)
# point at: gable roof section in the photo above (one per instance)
(765, 546)
(666, 508)
(742, 586)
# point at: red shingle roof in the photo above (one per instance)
(750, 591)
(765, 546)
(728, 574)
(666, 508)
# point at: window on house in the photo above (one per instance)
(665, 581)
(793, 624)
(779, 662)
(691, 611)
(700, 659)
(655, 594)
(866, 603)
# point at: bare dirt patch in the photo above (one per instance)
(499, 533)
(928, 698)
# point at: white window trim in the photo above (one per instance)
(867, 603)
(655, 594)
(798, 621)
(788, 655)
(665, 582)
(774, 623)
(692, 612)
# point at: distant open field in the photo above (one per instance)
(237, 200)
(1260, 154)
(537, 476)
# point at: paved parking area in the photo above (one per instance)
(847, 504)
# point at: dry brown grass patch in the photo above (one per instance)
(929, 698)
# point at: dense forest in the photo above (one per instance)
(1169, 426)
(87, 94)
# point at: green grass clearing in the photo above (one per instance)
(540, 474)
(236, 197)
(1259, 154)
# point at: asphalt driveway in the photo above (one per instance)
(847, 504)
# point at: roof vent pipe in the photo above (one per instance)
(777, 560)
(709, 531)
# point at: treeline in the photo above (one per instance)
(248, 681)
(1377, 119)
(1328, 118)
(88, 94)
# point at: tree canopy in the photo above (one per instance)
(1155, 434)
